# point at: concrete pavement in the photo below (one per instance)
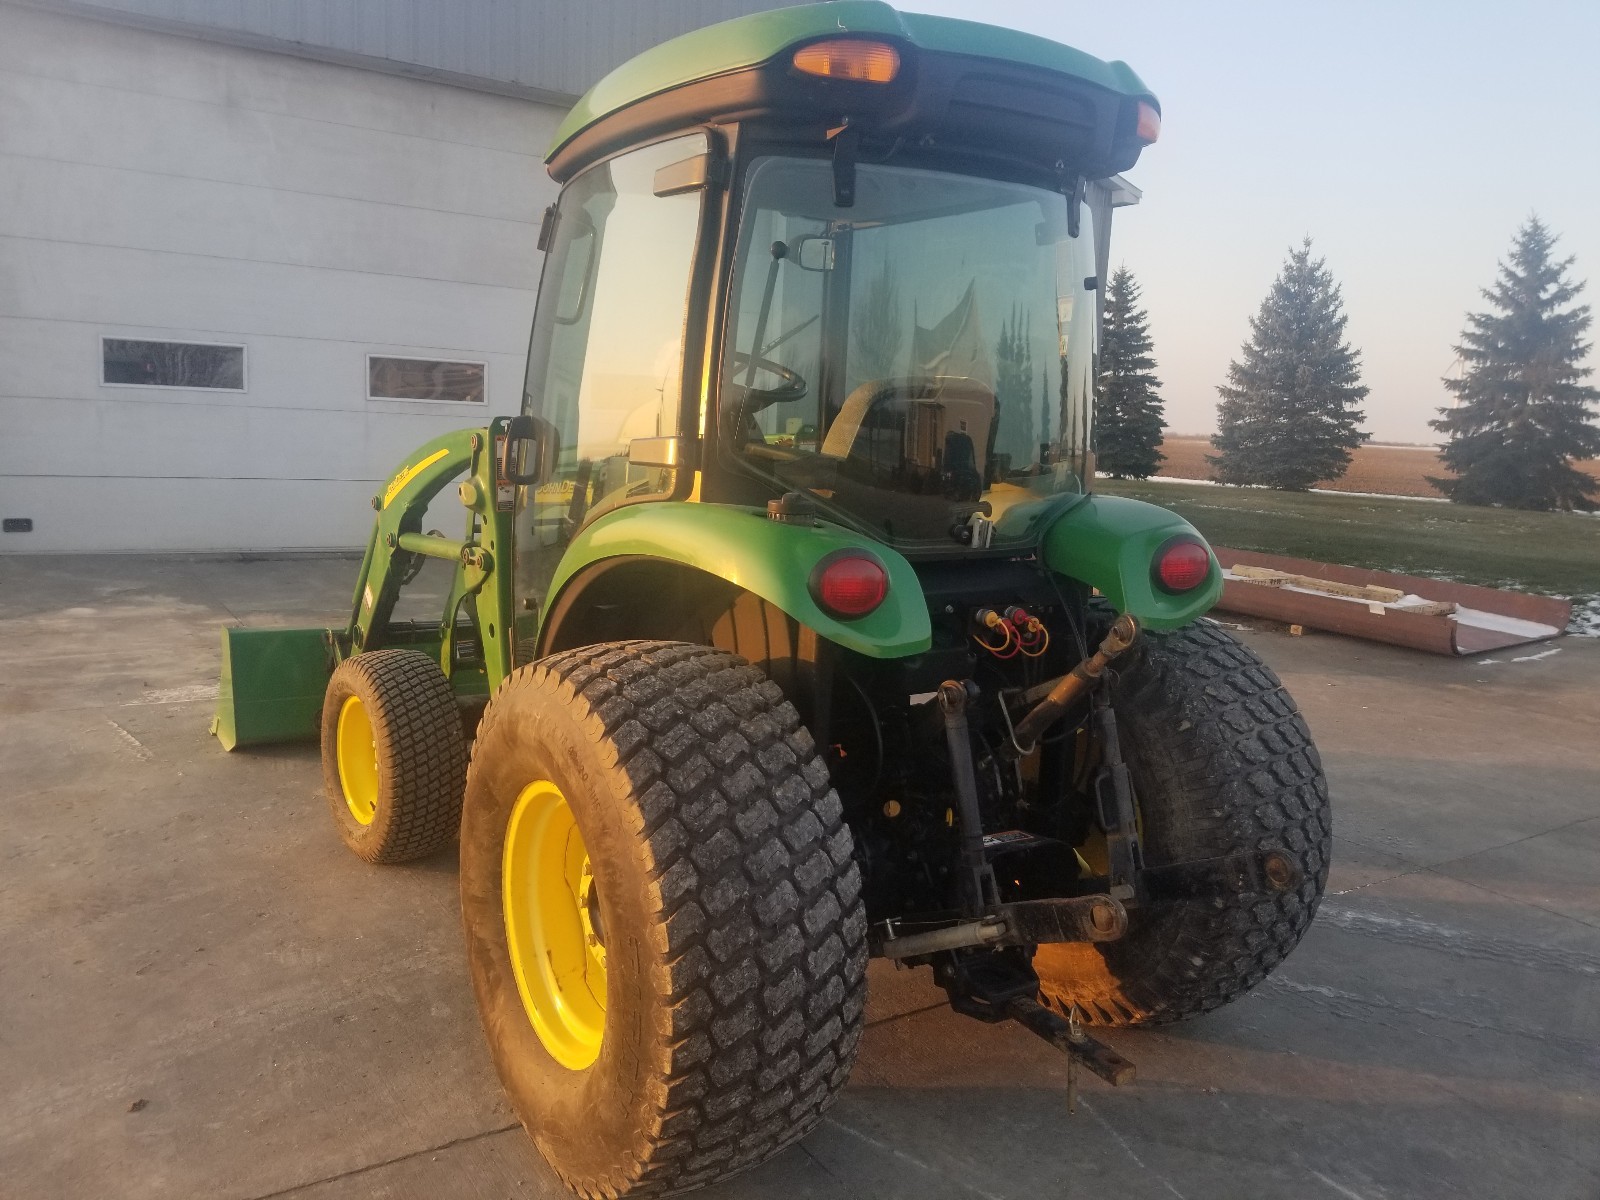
(202, 994)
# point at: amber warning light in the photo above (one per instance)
(849, 58)
(1149, 126)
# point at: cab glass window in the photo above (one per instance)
(921, 362)
(605, 365)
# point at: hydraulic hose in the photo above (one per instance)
(1074, 684)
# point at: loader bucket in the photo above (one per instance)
(272, 685)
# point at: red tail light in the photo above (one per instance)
(849, 584)
(1181, 565)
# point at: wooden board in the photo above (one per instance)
(1356, 591)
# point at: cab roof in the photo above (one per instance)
(747, 42)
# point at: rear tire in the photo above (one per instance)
(1221, 763)
(724, 894)
(394, 759)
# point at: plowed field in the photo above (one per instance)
(1389, 470)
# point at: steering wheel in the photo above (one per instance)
(792, 387)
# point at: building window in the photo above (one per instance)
(126, 362)
(425, 379)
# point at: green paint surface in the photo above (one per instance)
(752, 40)
(1110, 542)
(765, 557)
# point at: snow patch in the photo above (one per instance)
(1537, 657)
(1261, 487)
(1585, 617)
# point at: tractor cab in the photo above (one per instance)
(857, 264)
(785, 627)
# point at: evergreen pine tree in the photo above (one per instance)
(1522, 411)
(1128, 411)
(1012, 389)
(879, 327)
(1288, 416)
(1043, 433)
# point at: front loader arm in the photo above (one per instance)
(482, 557)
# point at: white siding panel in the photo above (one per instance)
(156, 187)
(225, 298)
(87, 514)
(113, 439)
(52, 119)
(551, 45)
(40, 200)
(255, 81)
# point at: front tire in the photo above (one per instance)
(1222, 763)
(724, 901)
(394, 760)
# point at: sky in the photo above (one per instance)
(1408, 140)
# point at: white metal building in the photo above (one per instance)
(252, 254)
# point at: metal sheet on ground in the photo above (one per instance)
(1482, 618)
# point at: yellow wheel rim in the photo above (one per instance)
(553, 926)
(357, 751)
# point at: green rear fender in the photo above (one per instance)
(1110, 543)
(767, 558)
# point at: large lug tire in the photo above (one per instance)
(709, 868)
(1221, 763)
(394, 759)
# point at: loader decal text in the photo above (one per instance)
(398, 483)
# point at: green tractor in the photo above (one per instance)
(786, 630)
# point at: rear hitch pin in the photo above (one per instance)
(1068, 1035)
(1075, 1035)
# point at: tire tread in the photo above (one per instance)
(1213, 727)
(760, 947)
(422, 757)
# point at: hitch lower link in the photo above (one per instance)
(989, 922)
(1004, 988)
(1022, 923)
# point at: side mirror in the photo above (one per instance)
(812, 252)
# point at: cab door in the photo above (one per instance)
(606, 364)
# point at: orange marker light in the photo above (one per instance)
(1149, 128)
(849, 58)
